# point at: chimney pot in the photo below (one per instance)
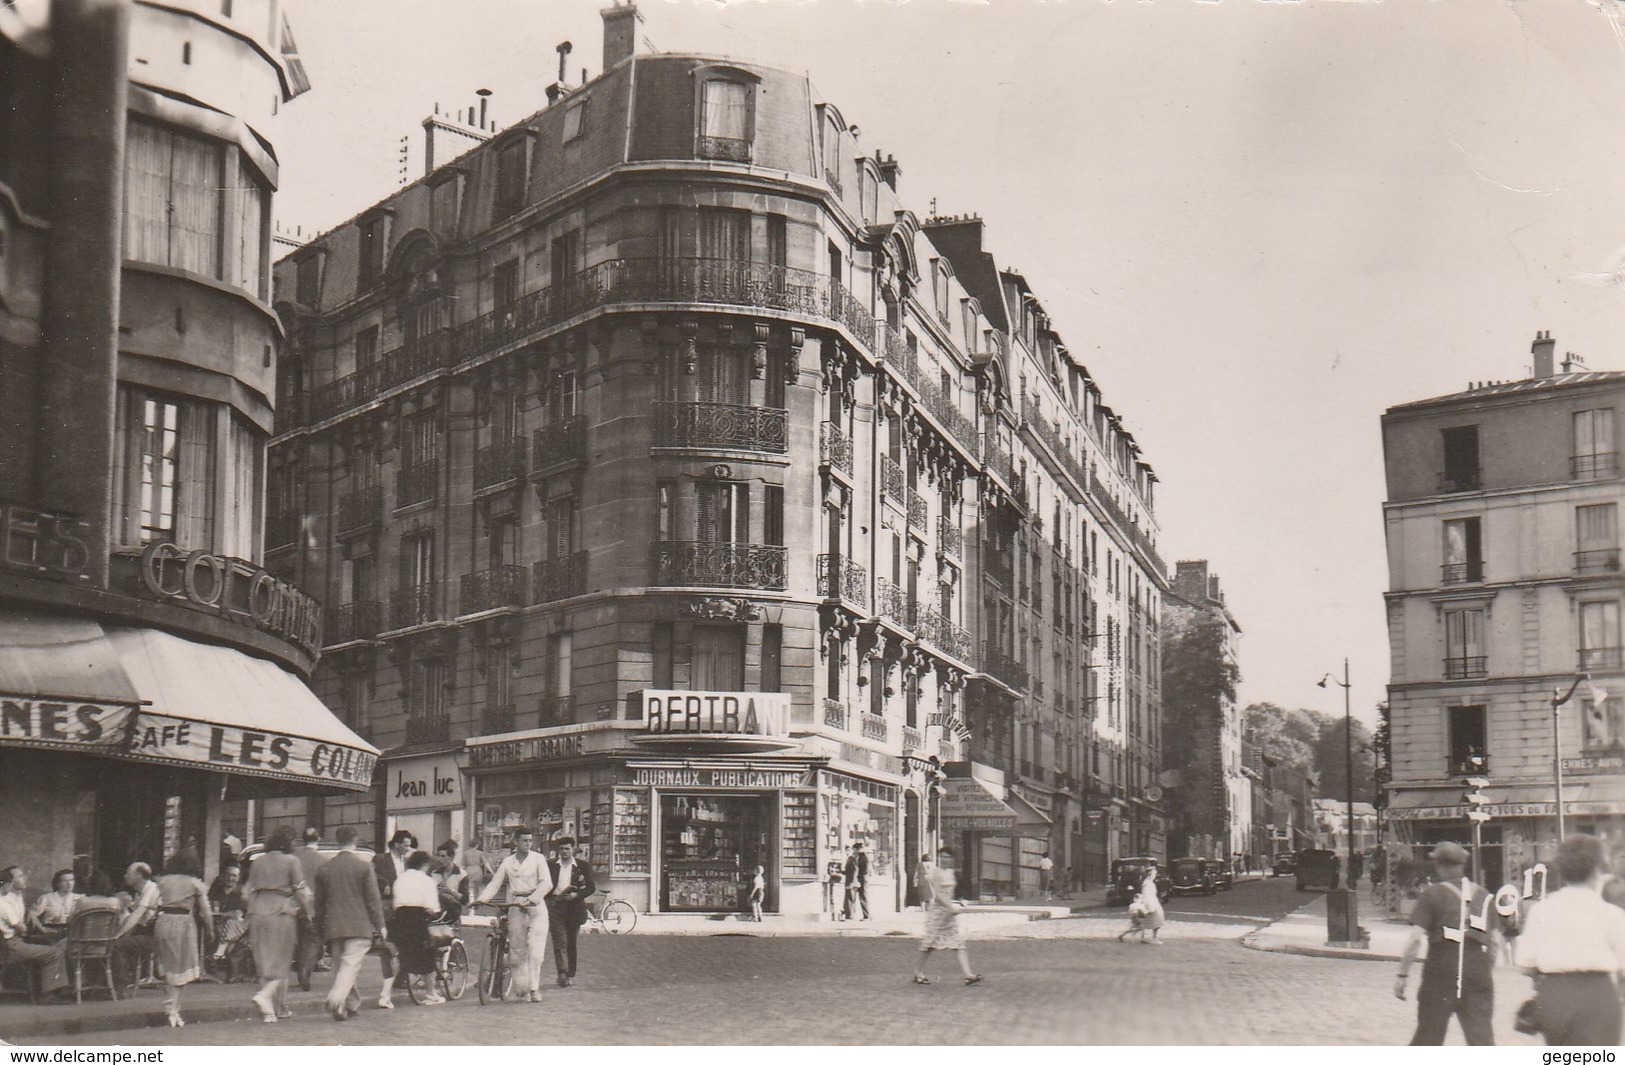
(1542, 350)
(620, 33)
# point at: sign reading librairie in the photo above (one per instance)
(716, 713)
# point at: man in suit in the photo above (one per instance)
(392, 863)
(567, 906)
(352, 913)
(857, 882)
(310, 857)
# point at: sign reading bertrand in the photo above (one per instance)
(233, 588)
(725, 713)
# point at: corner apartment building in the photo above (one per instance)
(152, 674)
(1505, 585)
(670, 485)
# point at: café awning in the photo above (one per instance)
(146, 695)
(1580, 797)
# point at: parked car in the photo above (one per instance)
(1127, 876)
(1317, 868)
(1224, 876)
(1285, 865)
(1189, 876)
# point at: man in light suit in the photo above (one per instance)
(567, 906)
(352, 913)
(525, 876)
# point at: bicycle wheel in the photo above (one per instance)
(493, 982)
(454, 976)
(620, 917)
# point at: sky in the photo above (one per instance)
(1259, 224)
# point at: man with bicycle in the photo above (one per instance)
(526, 876)
(567, 906)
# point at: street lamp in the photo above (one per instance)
(1342, 908)
(1598, 699)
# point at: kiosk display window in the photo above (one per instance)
(859, 811)
(710, 846)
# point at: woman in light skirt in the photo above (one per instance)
(942, 916)
(183, 908)
(276, 891)
(1145, 913)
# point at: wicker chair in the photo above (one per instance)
(90, 939)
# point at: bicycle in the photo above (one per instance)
(495, 980)
(614, 915)
(450, 968)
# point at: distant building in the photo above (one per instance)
(1331, 826)
(1504, 586)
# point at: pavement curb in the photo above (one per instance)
(1256, 941)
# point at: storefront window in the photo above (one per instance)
(711, 845)
(859, 811)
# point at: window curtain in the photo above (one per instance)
(1464, 633)
(1594, 432)
(241, 484)
(725, 234)
(146, 193)
(724, 377)
(1599, 625)
(718, 659)
(726, 110)
(1455, 543)
(195, 479)
(250, 230)
(1597, 525)
(196, 197)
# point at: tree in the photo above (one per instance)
(1332, 761)
(1198, 688)
(1286, 736)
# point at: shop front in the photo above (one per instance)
(1001, 835)
(424, 795)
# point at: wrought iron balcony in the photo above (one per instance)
(727, 149)
(1003, 667)
(416, 484)
(841, 578)
(950, 638)
(557, 710)
(494, 719)
(834, 713)
(893, 481)
(1461, 572)
(360, 511)
(558, 442)
(1597, 560)
(911, 739)
(893, 604)
(282, 528)
(427, 728)
(874, 728)
(1467, 667)
(721, 425)
(1599, 658)
(950, 537)
(492, 589)
(941, 406)
(417, 605)
(1592, 467)
(901, 359)
(560, 578)
(1461, 480)
(834, 447)
(351, 622)
(719, 564)
(499, 463)
(917, 515)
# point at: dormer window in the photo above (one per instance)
(374, 239)
(727, 120)
(513, 170)
(575, 120)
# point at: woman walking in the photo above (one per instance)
(276, 890)
(942, 916)
(183, 908)
(417, 899)
(1145, 913)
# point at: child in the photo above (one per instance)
(758, 891)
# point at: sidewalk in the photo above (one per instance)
(1304, 932)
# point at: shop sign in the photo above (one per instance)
(1043, 802)
(63, 723)
(535, 749)
(161, 738)
(649, 776)
(424, 784)
(1593, 765)
(668, 713)
(968, 805)
(232, 588)
(40, 541)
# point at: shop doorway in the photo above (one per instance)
(911, 849)
(710, 846)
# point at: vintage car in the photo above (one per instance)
(1190, 876)
(1285, 865)
(1317, 869)
(1224, 877)
(1127, 876)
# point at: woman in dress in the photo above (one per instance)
(417, 899)
(1145, 913)
(942, 916)
(276, 890)
(183, 905)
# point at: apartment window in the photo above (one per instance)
(723, 514)
(939, 288)
(1599, 635)
(444, 202)
(724, 376)
(1464, 644)
(505, 284)
(168, 462)
(778, 244)
(773, 515)
(420, 440)
(1461, 473)
(359, 579)
(1463, 552)
(660, 652)
(562, 521)
(1469, 741)
(565, 257)
(306, 280)
(1597, 546)
(371, 264)
(1604, 725)
(561, 658)
(174, 198)
(366, 348)
(502, 542)
(575, 120)
(417, 560)
(717, 658)
(665, 509)
(724, 234)
(427, 318)
(253, 218)
(772, 655)
(354, 688)
(430, 679)
(1594, 450)
(832, 151)
(726, 120)
(512, 172)
(836, 268)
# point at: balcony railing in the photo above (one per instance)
(999, 461)
(416, 484)
(911, 739)
(834, 447)
(900, 358)
(1467, 667)
(841, 578)
(360, 510)
(1046, 431)
(1597, 560)
(874, 728)
(942, 408)
(893, 604)
(418, 605)
(1460, 480)
(1599, 658)
(492, 589)
(560, 578)
(557, 710)
(1000, 665)
(721, 425)
(727, 149)
(950, 537)
(917, 515)
(1098, 492)
(428, 728)
(935, 628)
(497, 718)
(499, 463)
(351, 622)
(719, 565)
(1591, 467)
(559, 441)
(893, 481)
(1461, 573)
(834, 713)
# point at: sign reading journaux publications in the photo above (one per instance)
(716, 713)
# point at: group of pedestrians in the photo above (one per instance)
(547, 901)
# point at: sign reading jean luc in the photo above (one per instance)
(424, 783)
(673, 713)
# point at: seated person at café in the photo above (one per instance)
(51, 913)
(135, 933)
(230, 908)
(46, 960)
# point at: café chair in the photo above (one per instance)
(90, 939)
